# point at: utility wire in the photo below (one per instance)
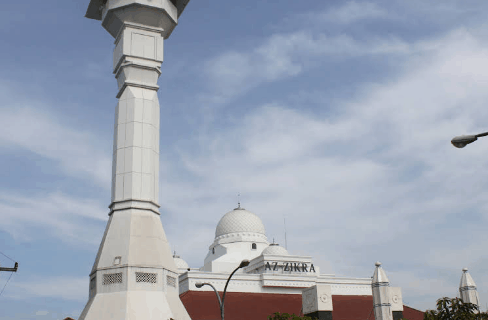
(6, 283)
(6, 256)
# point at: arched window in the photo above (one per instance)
(253, 246)
(213, 250)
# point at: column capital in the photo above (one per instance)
(114, 13)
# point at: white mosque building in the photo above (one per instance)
(134, 275)
(273, 281)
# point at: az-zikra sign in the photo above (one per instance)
(289, 266)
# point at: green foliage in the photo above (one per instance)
(287, 316)
(454, 309)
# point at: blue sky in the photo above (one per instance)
(335, 114)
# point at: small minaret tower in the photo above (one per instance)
(134, 275)
(381, 294)
(467, 289)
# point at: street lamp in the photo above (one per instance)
(244, 263)
(462, 141)
(14, 269)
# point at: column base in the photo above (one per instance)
(149, 305)
(320, 315)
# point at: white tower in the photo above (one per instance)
(467, 289)
(381, 294)
(134, 275)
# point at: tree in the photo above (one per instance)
(287, 316)
(454, 309)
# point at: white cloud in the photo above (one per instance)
(64, 217)
(286, 55)
(61, 287)
(42, 313)
(26, 214)
(378, 180)
(27, 125)
(350, 12)
(441, 10)
(426, 289)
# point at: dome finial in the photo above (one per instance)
(239, 202)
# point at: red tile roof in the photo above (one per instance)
(203, 305)
(412, 314)
(352, 307)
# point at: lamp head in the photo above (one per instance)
(198, 284)
(244, 263)
(462, 141)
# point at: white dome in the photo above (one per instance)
(275, 249)
(180, 263)
(239, 220)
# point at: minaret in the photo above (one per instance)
(134, 275)
(467, 289)
(381, 295)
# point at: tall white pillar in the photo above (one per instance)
(134, 275)
(381, 294)
(467, 289)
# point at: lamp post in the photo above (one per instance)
(243, 264)
(462, 141)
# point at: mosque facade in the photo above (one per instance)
(273, 281)
(134, 275)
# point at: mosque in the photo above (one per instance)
(134, 275)
(273, 281)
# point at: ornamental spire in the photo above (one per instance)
(239, 202)
(381, 294)
(467, 289)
